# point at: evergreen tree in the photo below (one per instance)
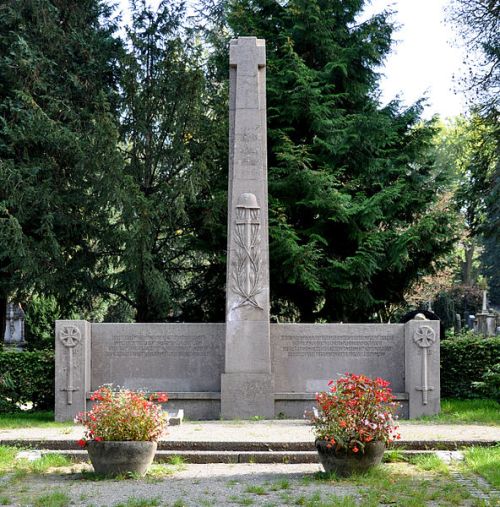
(58, 139)
(162, 115)
(353, 193)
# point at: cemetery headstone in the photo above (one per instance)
(14, 327)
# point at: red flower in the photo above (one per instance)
(98, 439)
(355, 449)
(81, 442)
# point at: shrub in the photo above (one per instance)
(464, 360)
(26, 377)
(489, 386)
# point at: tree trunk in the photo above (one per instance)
(3, 317)
(467, 265)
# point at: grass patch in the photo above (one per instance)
(28, 419)
(430, 463)
(256, 490)
(140, 502)
(9, 463)
(394, 456)
(465, 412)
(402, 484)
(241, 500)
(5, 500)
(280, 485)
(484, 461)
(7, 458)
(47, 461)
(177, 461)
(55, 499)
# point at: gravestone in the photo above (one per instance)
(14, 327)
(247, 383)
(485, 320)
(246, 366)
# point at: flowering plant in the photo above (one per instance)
(123, 415)
(355, 411)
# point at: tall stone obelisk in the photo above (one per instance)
(247, 388)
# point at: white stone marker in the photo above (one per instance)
(246, 385)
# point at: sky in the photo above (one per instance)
(423, 59)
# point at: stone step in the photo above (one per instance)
(229, 457)
(255, 447)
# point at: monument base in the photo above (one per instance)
(245, 395)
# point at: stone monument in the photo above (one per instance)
(486, 320)
(14, 327)
(246, 366)
(246, 385)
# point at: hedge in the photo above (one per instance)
(26, 377)
(463, 361)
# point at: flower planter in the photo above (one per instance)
(345, 462)
(114, 458)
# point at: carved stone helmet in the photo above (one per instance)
(247, 200)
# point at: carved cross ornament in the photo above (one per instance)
(247, 259)
(70, 337)
(425, 337)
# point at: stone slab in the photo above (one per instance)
(246, 395)
(422, 368)
(158, 357)
(72, 367)
(306, 356)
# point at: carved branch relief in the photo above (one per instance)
(425, 337)
(70, 337)
(246, 268)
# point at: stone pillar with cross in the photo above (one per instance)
(246, 385)
(422, 369)
(72, 367)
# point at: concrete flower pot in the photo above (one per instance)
(114, 458)
(344, 462)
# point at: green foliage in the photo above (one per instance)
(30, 419)
(475, 411)
(58, 140)
(464, 360)
(26, 377)
(162, 89)
(477, 21)
(40, 316)
(352, 187)
(489, 386)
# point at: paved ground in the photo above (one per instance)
(266, 431)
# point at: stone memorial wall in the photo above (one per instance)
(247, 366)
(188, 361)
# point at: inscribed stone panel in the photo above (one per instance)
(306, 356)
(158, 357)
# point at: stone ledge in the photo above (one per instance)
(233, 457)
(312, 396)
(176, 447)
(188, 395)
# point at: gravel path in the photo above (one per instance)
(197, 485)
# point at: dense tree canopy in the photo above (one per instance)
(352, 184)
(113, 156)
(58, 140)
(162, 124)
